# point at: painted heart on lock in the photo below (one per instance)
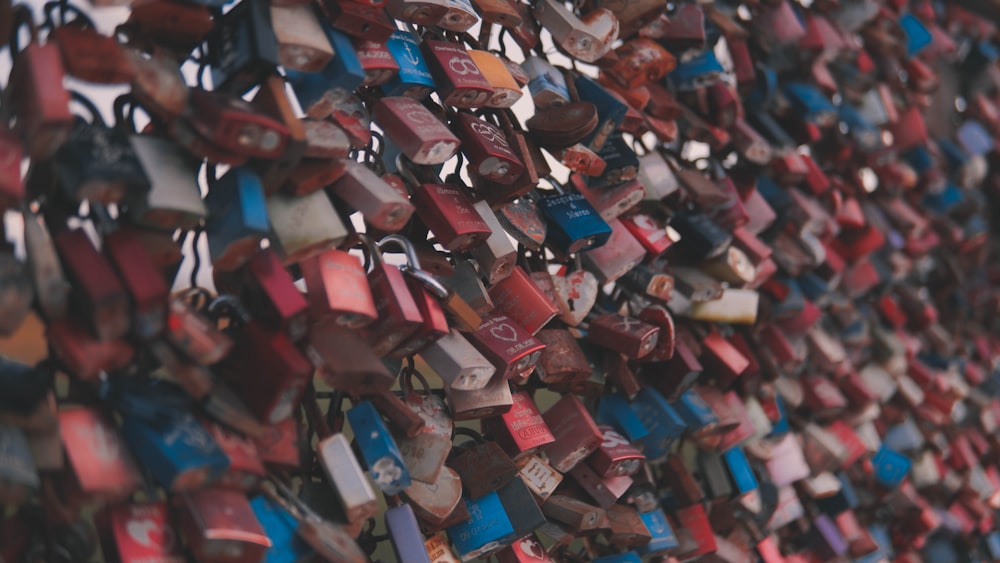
(577, 293)
(435, 501)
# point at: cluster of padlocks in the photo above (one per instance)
(750, 315)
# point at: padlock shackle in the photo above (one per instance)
(65, 8)
(411, 253)
(95, 113)
(469, 433)
(21, 16)
(406, 378)
(373, 255)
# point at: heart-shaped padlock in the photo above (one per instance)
(435, 501)
(577, 292)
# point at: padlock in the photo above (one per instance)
(193, 334)
(640, 61)
(268, 371)
(347, 478)
(578, 516)
(511, 349)
(546, 83)
(420, 12)
(525, 550)
(562, 361)
(616, 257)
(487, 149)
(382, 207)
(177, 28)
(421, 136)
(304, 226)
(497, 71)
(269, 290)
(234, 126)
(482, 465)
(627, 528)
(18, 469)
(404, 534)
(101, 467)
(302, 44)
(99, 295)
(424, 453)
(237, 218)
(626, 335)
(439, 549)
(520, 431)
(487, 530)
(576, 434)
(319, 94)
(615, 456)
(280, 527)
(610, 111)
(438, 503)
(492, 400)
(37, 93)
(97, 163)
(243, 48)
(520, 298)
(174, 199)
(143, 530)
(145, 287)
(521, 507)
(573, 224)
(245, 469)
(85, 356)
(50, 283)
(587, 38)
(337, 289)
(663, 424)
(87, 54)
(449, 213)
(522, 220)
(414, 78)
(378, 449)
(458, 363)
(376, 60)
(458, 80)
(179, 453)
(219, 525)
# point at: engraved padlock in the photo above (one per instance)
(587, 38)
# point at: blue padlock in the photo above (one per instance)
(661, 420)
(865, 136)
(739, 470)
(414, 78)
(694, 411)
(781, 426)
(379, 450)
(614, 410)
(345, 61)
(944, 201)
(486, 530)
(282, 529)
(663, 537)
(810, 103)
(890, 467)
(813, 286)
(627, 557)
(573, 223)
(917, 34)
(237, 217)
(610, 110)
(794, 301)
(699, 71)
(545, 83)
(621, 163)
(975, 138)
(319, 92)
(180, 454)
(404, 534)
